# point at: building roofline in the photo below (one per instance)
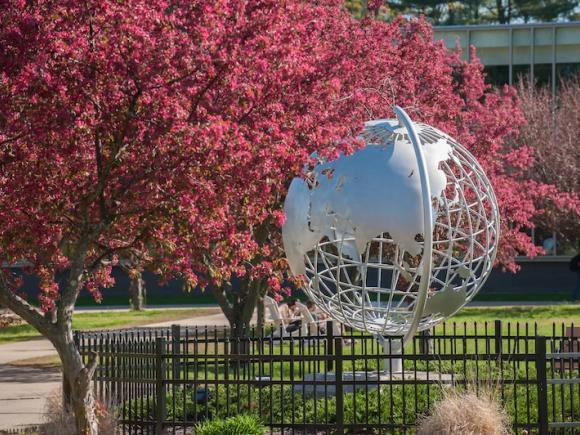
(464, 27)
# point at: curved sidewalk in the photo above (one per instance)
(24, 389)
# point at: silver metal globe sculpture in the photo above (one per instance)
(397, 236)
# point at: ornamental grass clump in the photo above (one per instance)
(465, 413)
(60, 421)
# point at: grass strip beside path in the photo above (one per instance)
(108, 320)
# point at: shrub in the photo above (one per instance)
(551, 131)
(238, 425)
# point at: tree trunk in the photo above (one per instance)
(240, 326)
(57, 327)
(81, 399)
(137, 292)
(238, 308)
(501, 17)
(240, 329)
(261, 320)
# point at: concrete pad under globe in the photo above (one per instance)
(361, 380)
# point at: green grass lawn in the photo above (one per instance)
(545, 317)
(108, 320)
(524, 297)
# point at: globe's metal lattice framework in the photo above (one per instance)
(384, 289)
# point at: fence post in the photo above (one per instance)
(160, 411)
(329, 343)
(338, 379)
(176, 350)
(542, 385)
(426, 346)
(498, 337)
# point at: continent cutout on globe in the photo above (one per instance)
(375, 190)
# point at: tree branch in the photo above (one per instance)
(28, 312)
(71, 290)
(12, 139)
(109, 251)
(251, 299)
(104, 169)
(204, 90)
(225, 305)
(99, 160)
(91, 365)
(174, 80)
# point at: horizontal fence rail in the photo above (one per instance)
(27, 430)
(168, 380)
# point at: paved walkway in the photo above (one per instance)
(217, 319)
(23, 390)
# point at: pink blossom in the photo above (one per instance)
(375, 5)
(279, 217)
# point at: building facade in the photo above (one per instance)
(542, 51)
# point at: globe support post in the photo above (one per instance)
(427, 223)
(392, 349)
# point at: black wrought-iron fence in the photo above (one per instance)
(27, 430)
(168, 380)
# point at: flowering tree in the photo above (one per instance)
(133, 130)
(551, 132)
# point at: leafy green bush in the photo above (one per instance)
(237, 425)
(278, 404)
(396, 403)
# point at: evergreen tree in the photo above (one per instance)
(434, 10)
(545, 10)
(441, 12)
